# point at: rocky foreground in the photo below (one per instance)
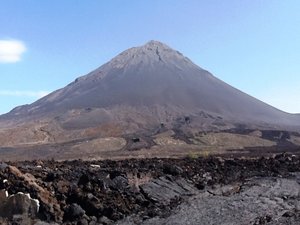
(210, 190)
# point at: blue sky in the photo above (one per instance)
(254, 45)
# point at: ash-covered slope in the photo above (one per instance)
(147, 89)
(154, 76)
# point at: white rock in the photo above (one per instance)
(95, 166)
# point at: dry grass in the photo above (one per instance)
(229, 140)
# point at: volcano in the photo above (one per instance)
(146, 89)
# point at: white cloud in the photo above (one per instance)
(11, 51)
(34, 94)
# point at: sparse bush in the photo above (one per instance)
(195, 155)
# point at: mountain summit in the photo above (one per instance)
(141, 90)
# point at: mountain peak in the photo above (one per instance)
(157, 47)
(148, 54)
(137, 92)
(156, 44)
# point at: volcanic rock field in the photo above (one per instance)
(202, 190)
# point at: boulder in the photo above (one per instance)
(18, 204)
(73, 212)
(165, 189)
